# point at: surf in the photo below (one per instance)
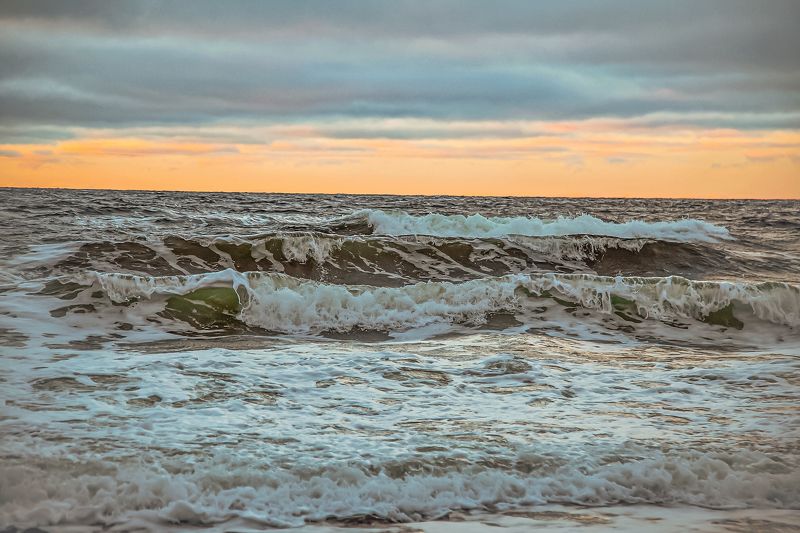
(282, 303)
(477, 225)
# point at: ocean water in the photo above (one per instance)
(174, 361)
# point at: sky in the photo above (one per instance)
(683, 98)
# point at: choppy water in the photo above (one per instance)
(280, 360)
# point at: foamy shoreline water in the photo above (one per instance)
(550, 518)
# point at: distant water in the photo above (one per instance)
(187, 359)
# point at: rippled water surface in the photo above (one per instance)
(235, 361)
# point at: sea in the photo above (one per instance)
(177, 361)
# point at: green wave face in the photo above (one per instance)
(206, 308)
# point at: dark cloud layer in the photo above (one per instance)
(121, 64)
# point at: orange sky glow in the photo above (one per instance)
(592, 158)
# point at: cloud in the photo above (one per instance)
(10, 153)
(98, 64)
(32, 134)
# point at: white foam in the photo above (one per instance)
(401, 223)
(219, 489)
(301, 248)
(282, 303)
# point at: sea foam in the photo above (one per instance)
(401, 223)
(219, 489)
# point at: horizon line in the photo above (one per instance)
(192, 191)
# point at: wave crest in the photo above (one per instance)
(401, 223)
(282, 303)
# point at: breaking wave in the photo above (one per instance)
(401, 223)
(281, 303)
(396, 260)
